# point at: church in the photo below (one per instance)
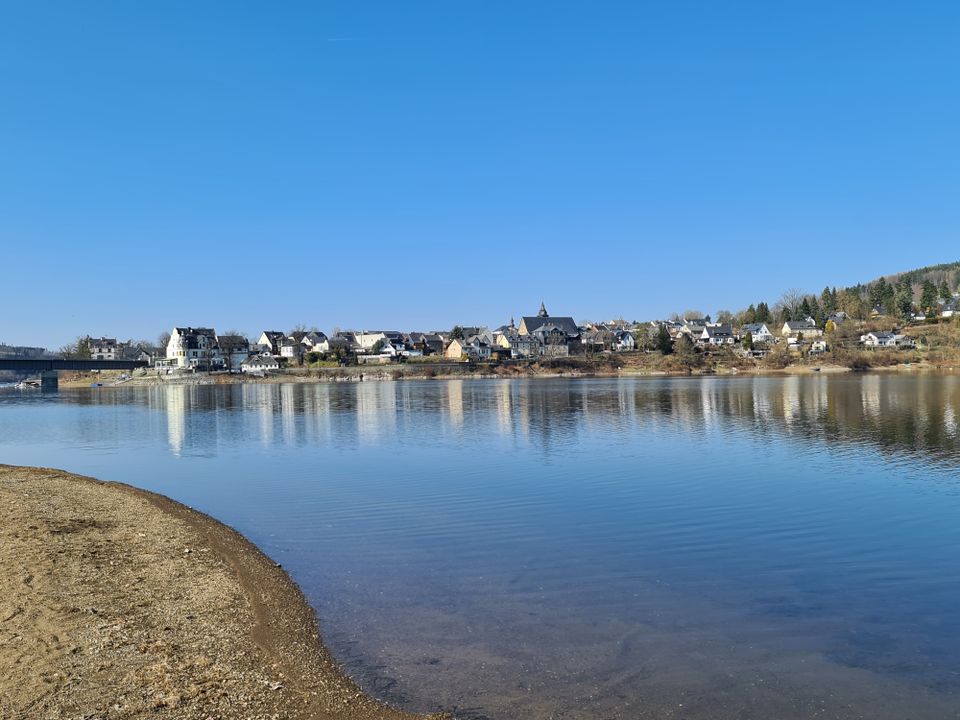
(549, 329)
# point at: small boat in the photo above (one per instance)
(96, 384)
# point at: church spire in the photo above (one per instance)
(543, 310)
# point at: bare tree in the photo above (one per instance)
(792, 299)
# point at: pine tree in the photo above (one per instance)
(903, 299)
(827, 302)
(664, 343)
(928, 297)
(878, 292)
(945, 293)
(816, 312)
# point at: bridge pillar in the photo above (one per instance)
(49, 381)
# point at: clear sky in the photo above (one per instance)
(412, 165)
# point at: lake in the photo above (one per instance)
(774, 547)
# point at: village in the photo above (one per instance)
(540, 338)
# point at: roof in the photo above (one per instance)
(800, 325)
(259, 360)
(753, 328)
(534, 323)
(233, 342)
(195, 331)
(718, 330)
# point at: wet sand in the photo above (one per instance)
(119, 603)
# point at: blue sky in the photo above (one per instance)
(419, 164)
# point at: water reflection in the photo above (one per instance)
(767, 547)
(895, 414)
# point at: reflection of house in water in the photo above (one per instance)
(316, 410)
(288, 414)
(376, 409)
(176, 406)
(455, 402)
(259, 398)
(870, 395)
(504, 407)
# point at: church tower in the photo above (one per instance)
(543, 310)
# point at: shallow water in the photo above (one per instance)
(650, 548)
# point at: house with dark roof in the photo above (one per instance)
(234, 349)
(716, 334)
(809, 329)
(759, 333)
(194, 348)
(270, 341)
(558, 330)
(104, 348)
(624, 341)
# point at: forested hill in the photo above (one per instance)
(936, 274)
(903, 295)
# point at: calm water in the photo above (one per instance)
(716, 548)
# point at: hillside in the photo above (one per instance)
(949, 272)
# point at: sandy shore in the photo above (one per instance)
(118, 603)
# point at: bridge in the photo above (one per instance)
(47, 367)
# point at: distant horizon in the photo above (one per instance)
(421, 164)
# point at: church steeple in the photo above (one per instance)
(543, 310)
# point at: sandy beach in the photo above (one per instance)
(118, 603)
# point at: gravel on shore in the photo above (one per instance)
(119, 603)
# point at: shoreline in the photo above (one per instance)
(397, 373)
(116, 602)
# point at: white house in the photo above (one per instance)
(312, 339)
(716, 334)
(759, 332)
(259, 364)
(103, 348)
(880, 339)
(291, 349)
(624, 341)
(196, 348)
(270, 341)
(951, 308)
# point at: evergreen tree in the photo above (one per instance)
(928, 297)
(816, 312)
(664, 343)
(748, 316)
(889, 299)
(805, 309)
(945, 293)
(878, 292)
(903, 300)
(763, 313)
(456, 333)
(747, 341)
(828, 303)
